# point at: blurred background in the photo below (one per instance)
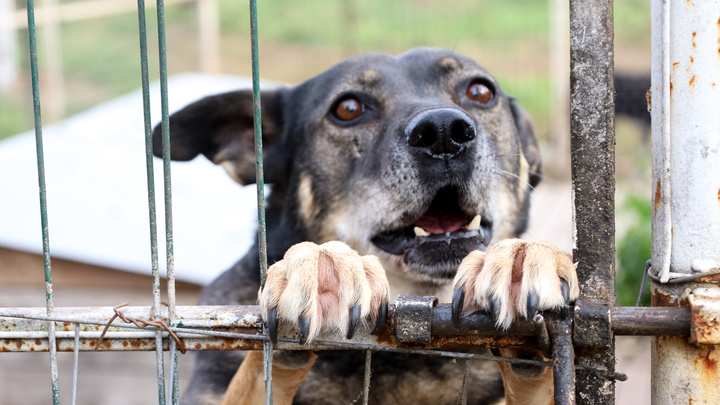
(90, 74)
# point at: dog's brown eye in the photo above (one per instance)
(348, 109)
(480, 93)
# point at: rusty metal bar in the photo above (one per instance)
(593, 169)
(650, 321)
(563, 357)
(24, 329)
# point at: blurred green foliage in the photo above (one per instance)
(633, 250)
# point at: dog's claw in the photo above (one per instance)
(303, 329)
(354, 320)
(457, 305)
(495, 309)
(382, 318)
(272, 325)
(565, 291)
(533, 301)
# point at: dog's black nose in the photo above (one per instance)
(441, 132)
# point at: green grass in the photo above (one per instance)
(101, 58)
(399, 24)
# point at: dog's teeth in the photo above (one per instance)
(420, 232)
(474, 225)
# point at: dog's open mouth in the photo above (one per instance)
(436, 242)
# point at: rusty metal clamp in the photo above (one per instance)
(413, 318)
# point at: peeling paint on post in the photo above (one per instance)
(686, 208)
(593, 175)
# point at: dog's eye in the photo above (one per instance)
(479, 92)
(348, 109)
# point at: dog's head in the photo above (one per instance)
(418, 159)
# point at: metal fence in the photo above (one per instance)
(579, 340)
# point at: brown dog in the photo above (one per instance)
(423, 168)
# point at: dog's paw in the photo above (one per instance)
(514, 278)
(327, 287)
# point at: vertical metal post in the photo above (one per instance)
(260, 185)
(159, 358)
(43, 201)
(686, 184)
(76, 364)
(593, 169)
(162, 48)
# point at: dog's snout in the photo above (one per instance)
(440, 132)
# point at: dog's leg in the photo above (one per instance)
(514, 279)
(248, 387)
(314, 288)
(526, 386)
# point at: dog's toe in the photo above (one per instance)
(327, 287)
(513, 279)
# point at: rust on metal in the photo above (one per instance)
(705, 310)
(660, 299)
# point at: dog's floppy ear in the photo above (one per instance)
(221, 128)
(530, 149)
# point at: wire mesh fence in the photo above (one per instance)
(578, 340)
(564, 369)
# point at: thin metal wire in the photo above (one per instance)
(681, 278)
(267, 361)
(159, 357)
(162, 48)
(173, 372)
(43, 200)
(366, 378)
(260, 185)
(257, 120)
(642, 283)
(466, 376)
(76, 358)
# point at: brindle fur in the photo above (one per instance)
(333, 181)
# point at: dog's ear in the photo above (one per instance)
(530, 149)
(221, 128)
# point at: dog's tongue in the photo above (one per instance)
(436, 223)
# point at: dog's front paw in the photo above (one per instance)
(514, 278)
(327, 287)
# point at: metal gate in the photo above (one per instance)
(685, 315)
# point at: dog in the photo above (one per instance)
(390, 175)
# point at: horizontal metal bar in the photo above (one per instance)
(238, 328)
(650, 321)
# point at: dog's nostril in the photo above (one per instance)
(423, 135)
(461, 132)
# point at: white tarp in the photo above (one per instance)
(97, 191)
